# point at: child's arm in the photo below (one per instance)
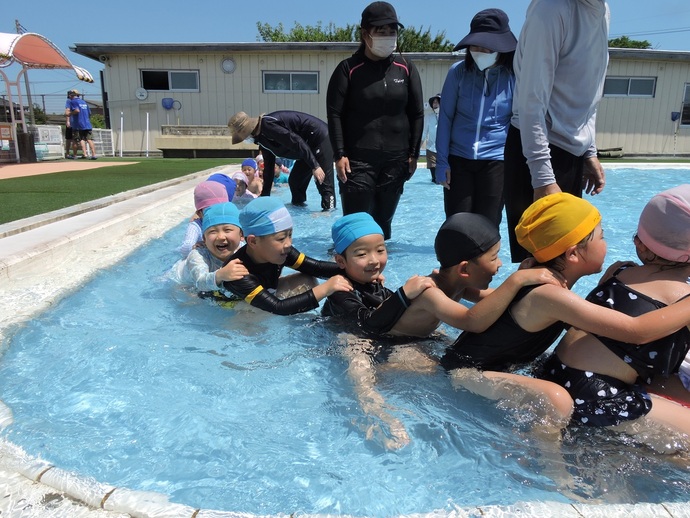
(551, 304)
(192, 237)
(199, 271)
(304, 264)
(484, 313)
(252, 292)
(232, 271)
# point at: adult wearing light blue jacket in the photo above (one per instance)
(476, 109)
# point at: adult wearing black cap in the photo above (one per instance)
(375, 119)
(474, 118)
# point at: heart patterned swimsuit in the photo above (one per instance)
(602, 400)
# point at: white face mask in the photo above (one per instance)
(484, 60)
(383, 46)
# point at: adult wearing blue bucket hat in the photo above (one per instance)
(474, 117)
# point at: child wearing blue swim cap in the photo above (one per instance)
(267, 227)
(207, 265)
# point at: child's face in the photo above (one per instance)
(222, 240)
(240, 188)
(273, 248)
(365, 259)
(594, 252)
(483, 268)
(249, 171)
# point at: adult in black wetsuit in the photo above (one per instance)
(295, 135)
(375, 119)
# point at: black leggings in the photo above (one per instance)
(475, 186)
(375, 188)
(517, 187)
(301, 175)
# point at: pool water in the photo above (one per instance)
(138, 383)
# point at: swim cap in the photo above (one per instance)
(225, 181)
(239, 176)
(464, 236)
(250, 162)
(664, 225)
(221, 214)
(263, 216)
(209, 193)
(554, 223)
(350, 228)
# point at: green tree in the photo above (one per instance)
(624, 42)
(39, 115)
(98, 121)
(411, 39)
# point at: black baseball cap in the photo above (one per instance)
(377, 14)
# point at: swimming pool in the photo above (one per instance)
(254, 413)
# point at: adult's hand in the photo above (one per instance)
(593, 176)
(540, 192)
(412, 166)
(319, 174)
(342, 168)
(446, 182)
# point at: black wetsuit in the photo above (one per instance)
(372, 307)
(503, 345)
(375, 118)
(259, 286)
(304, 138)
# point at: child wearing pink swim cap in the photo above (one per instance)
(606, 376)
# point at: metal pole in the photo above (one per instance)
(122, 125)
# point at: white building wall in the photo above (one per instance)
(643, 126)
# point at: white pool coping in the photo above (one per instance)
(43, 259)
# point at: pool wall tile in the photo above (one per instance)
(145, 504)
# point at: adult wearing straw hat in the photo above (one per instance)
(474, 118)
(295, 135)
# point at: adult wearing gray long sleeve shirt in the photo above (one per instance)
(560, 67)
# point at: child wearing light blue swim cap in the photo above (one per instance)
(267, 226)
(208, 265)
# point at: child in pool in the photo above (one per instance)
(255, 176)
(267, 226)
(241, 192)
(205, 194)
(207, 266)
(605, 376)
(467, 248)
(564, 233)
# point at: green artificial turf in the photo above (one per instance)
(32, 195)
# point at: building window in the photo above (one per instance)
(293, 82)
(629, 86)
(685, 111)
(170, 80)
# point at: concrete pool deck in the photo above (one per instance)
(44, 258)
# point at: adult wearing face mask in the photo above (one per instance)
(375, 119)
(474, 118)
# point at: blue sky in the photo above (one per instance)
(664, 23)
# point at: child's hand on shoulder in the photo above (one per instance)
(416, 285)
(337, 283)
(233, 271)
(539, 275)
